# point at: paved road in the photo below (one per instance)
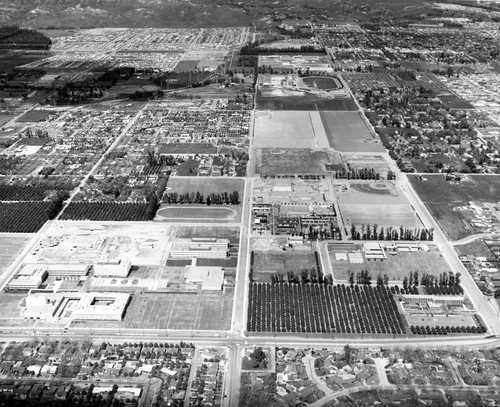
(308, 362)
(473, 238)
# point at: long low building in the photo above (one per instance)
(200, 247)
(76, 306)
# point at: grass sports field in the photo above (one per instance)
(200, 213)
(270, 263)
(293, 129)
(376, 203)
(441, 197)
(180, 311)
(347, 131)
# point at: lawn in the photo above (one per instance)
(347, 131)
(179, 311)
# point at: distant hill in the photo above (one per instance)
(205, 13)
(120, 13)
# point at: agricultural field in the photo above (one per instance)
(179, 311)
(285, 161)
(322, 308)
(396, 266)
(441, 197)
(10, 247)
(266, 264)
(106, 211)
(37, 191)
(23, 217)
(293, 129)
(347, 131)
(387, 206)
(305, 101)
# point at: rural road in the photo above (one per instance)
(472, 238)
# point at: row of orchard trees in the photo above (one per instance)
(369, 232)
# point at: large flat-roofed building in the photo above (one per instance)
(374, 251)
(28, 278)
(101, 306)
(200, 247)
(68, 270)
(76, 306)
(112, 268)
(437, 299)
(210, 278)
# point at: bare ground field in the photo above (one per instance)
(293, 129)
(10, 247)
(271, 162)
(395, 266)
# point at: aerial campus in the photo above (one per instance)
(298, 207)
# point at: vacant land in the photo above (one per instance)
(179, 311)
(269, 263)
(198, 213)
(452, 101)
(10, 247)
(291, 129)
(442, 196)
(284, 161)
(205, 186)
(376, 203)
(396, 266)
(347, 131)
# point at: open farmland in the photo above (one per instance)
(396, 266)
(106, 211)
(376, 203)
(276, 129)
(285, 161)
(347, 131)
(179, 311)
(322, 308)
(441, 197)
(302, 101)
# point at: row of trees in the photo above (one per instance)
(222, 198)
(363, 173)
(369, 232)
(38, 133)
